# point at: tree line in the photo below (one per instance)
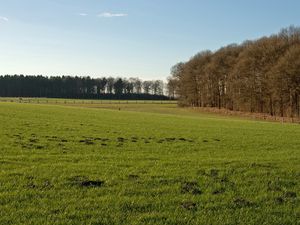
(261, 76)
(81, 87)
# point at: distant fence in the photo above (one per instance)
(77, 101)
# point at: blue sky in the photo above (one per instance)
(128, 38)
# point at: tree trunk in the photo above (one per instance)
(297, 105)
(281, 105)
(271, 106)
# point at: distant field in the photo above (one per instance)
(83, 101)
(93, 162)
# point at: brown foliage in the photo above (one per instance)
(261, 76)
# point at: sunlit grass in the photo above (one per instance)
(144, 164)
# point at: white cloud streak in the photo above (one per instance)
(111, 15)
(83, 14)
(3, 18)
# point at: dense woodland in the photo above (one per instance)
(81, 87)
(256, 76)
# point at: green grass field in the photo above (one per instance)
(144, 164)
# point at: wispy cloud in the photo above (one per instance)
(3, 18)
(82, 14)
(111, 15)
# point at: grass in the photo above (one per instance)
(144, 164)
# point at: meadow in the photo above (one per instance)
(89, 162)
